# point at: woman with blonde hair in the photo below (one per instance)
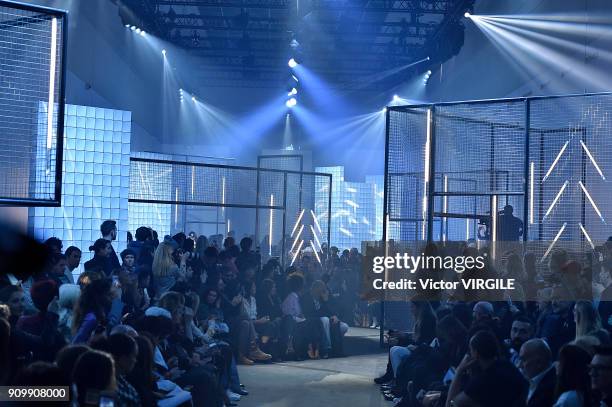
(165, 270)
(588, 322)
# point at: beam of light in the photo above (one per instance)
(591, 201)
(554, 202)
(325, 97)
(51, 101)
(586, 150)
(531, 193)
(588, 238)
(287, 133)
(467, 15)
(297, 252)
(445, 209)
(368, 80)
(164, 52)
(426, 173)
(315, 252)
(271, 219)
(539, 52)
(297, 222)
(493, 225)
(552, 244)
(554, 163)
(297, 237)
(316, 221)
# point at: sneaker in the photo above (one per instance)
(232, 396)
(243, 360)
(258, 355)
(386, 378)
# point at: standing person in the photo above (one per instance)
(573, 387)
(143, 237)
(73, 259)
(128, 258)
(109, 232)
(600, 371)
(102, 249)
(165, 271)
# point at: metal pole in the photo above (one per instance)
(384, 219)
(431, 188)
(329, 207)
(526, 189)
(257, 205)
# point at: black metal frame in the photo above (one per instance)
(431, 190)
(257, 206)
(61, 101)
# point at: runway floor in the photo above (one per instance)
(333, 382)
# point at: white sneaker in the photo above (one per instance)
(232, 396)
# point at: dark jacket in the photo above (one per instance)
(544, 394)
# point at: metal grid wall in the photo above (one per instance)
(32, 71)
(251, 201)
(452, 165)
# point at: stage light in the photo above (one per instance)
(429, 73)
(552, 244)
(138, 31)
(396, 98)
(427, 59)
(142, 33)
(552, 166)
(127, 26)
(133, 28)
(554, 202)
(292, 63)
(193, 98)
(584, 232)
(292, 92)
(467, 15)
(384, 110)
(295, 78)
(291, 102)
(164, 52)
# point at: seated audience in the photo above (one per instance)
(573, 387)
(536, 364)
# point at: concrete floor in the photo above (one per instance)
(333, 382)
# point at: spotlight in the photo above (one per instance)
(193, 98)
(292, 63)
(142, 33)
(138, 31)
(428, 73)
(467, 15)
(396, 98)
(384, 110)
(427, 58)
(127, 26)
(292, 92)
(133, 27)
(291, 102)
(164, 52)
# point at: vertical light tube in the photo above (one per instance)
(52, 66)
(228, 225)
(176, 208)
(271, 219)
(223, 196)
(192, 180)
(445, 209)
(493, 225)
(531, 174)
(467, 229)
(426, 171)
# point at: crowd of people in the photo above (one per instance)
(167, 320)
(549, 349)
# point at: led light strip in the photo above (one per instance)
(556, 160)
(296, 253)
(586, 150)
(493, 225)
(584, 232)
(591, 201)
(554, 202)
(52, 66)
(426, 170)
(271, 220)
(552, 244)
(315, 236)
(316, 221)
(297, 237)
(315, 252)
(297, 222)
(531, 178)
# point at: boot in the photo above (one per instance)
(256, 354)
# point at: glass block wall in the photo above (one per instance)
(353, 214)
(96, 177)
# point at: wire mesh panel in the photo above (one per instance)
(222, 200)
(32, 66)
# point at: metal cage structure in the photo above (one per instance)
(33, 43)
(176, 196)
(450, 166)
